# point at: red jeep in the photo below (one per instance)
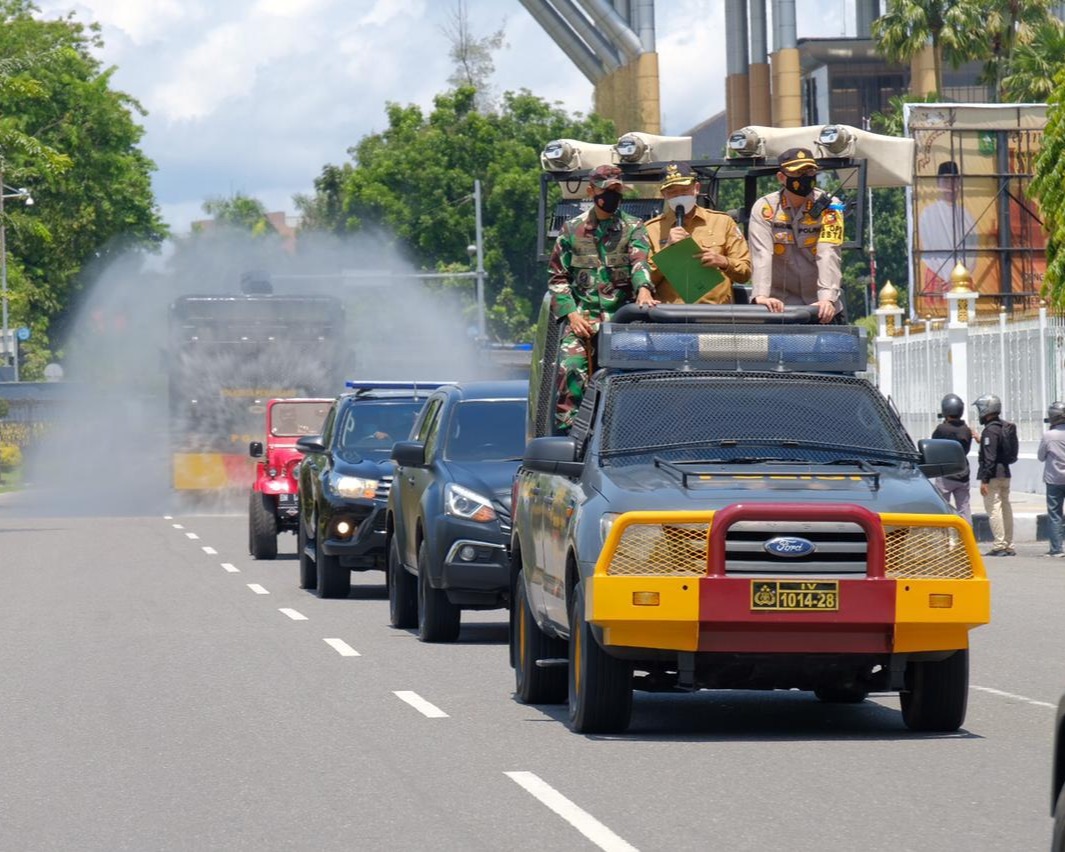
(273, 506)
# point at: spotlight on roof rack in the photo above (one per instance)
(559, 155)
(836, 140)
(746, 142)
(630, 148)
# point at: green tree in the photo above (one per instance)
(90, 181)
(1048, 186)
(953, 27)
(472, 55)
(1029, 74)
(1010, 24)
(413, 181)
(239, 211)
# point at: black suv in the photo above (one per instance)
(344, 481)
(449, 510)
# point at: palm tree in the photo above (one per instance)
(1028, 75)
(1011, 24)
(953, 27)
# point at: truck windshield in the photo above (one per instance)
(371, 427)
(294, 419)
(693, 416)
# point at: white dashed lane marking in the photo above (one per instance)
(210, 551)
(178, 526)
(231, 568)
(168, 517)
(420, 704)
(342, 647)
(191, 535)
(579, 818)
(291, 613)
(1014, 696)
(259, 590)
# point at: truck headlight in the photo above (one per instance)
(353, 486)
(463, 503)
(606, 521)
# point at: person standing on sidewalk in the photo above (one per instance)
(994, 475)
(954, 427)
(1052, 454)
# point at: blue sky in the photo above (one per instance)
(257, 95)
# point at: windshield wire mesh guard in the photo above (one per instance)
(748, 417)
(827, 349)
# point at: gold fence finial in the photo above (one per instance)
(889, 296)
(960, 280)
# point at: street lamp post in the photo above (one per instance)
(5, 193)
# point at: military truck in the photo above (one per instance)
(735, 507)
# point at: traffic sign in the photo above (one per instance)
(23, 333)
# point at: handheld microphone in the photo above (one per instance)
(680, 215)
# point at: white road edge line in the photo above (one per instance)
(210, 551)
(191, 535)
(291, 613)
(178, 526)
(259, 590)
(580, 819)
(420, 704)
(231, 568)
(342, 647)
(1014, 695)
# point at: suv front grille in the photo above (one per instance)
(384, 485)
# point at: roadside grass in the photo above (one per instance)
(11, 480)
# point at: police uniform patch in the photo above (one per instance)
(767, 212)
(779, 248)
(831, 228)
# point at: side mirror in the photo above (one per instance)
(555, 455)
(941, 457)
(310, 444)
(409, 453)
(255, 449)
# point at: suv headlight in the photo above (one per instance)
(463, 503)
(353, 486)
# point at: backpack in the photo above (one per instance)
(1010, 447)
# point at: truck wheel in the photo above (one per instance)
(334, 580)
(1057, 843)
(533, 684)
(438, 618)
(308, 570)
(600, 686)
(402, 591)
(262, 526)
(841, 694)
(936, 693)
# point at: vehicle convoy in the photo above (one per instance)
(449, 510)
(735, 509)
(272, 504)
(227, 355)
(344, 481)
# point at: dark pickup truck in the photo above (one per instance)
(735, 508)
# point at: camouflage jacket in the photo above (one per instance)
(597, 266)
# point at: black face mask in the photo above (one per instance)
(608, 200)
(801, 184)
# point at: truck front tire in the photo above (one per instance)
(402, 591)
(936, 693)
(262, 526)
(600, 686)
(439, 620)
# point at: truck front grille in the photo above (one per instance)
(384, 485)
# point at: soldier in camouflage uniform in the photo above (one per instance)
(599, 264)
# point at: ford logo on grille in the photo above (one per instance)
(789, 546)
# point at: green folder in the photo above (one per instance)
(680, 265)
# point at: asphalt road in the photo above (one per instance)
(162, 690)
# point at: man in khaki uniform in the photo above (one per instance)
(722, 243)
(795, 252)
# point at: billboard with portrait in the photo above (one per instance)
(970, 204)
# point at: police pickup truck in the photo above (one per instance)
(735, 508)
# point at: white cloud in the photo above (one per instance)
(258, 95)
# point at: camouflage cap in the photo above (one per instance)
(606, 177)
(794, 160)
(679, 174)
